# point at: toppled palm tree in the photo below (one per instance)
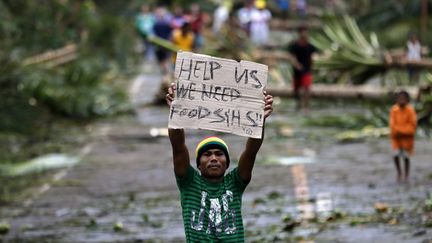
(350, 56)
(347, 51)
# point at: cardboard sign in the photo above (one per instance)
(218, 94)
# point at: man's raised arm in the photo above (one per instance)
(178, 143)
(247, 158)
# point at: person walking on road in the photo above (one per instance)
(162, 29)
(211, 201)
(197, 19)
(413, 55)
(403, 123)
(302, 52)
(259, 26)
(144, 23)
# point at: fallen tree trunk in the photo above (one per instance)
(345, 91)
(54, 57)
(282, 24)
(273, 57)
(425, 63)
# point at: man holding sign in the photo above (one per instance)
(211, 201)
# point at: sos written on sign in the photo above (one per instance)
(218, 94)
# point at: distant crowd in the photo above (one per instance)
(184, 27)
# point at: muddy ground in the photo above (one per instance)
(306, 186)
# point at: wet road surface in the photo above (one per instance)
(125, 191)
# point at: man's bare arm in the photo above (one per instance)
(180, 151)
(178, 144)
(295, 62)
(247, 158)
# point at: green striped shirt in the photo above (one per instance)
(212, 211)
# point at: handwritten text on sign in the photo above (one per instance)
(218, 94)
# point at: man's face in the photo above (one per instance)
(145, 9)
(303, 35)
(213, 163)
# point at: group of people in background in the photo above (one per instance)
(182, 27)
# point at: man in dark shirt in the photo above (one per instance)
(302, 50)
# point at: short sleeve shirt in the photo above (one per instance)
(212, 211)
(303, 53)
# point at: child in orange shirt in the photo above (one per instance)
(403, 124)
